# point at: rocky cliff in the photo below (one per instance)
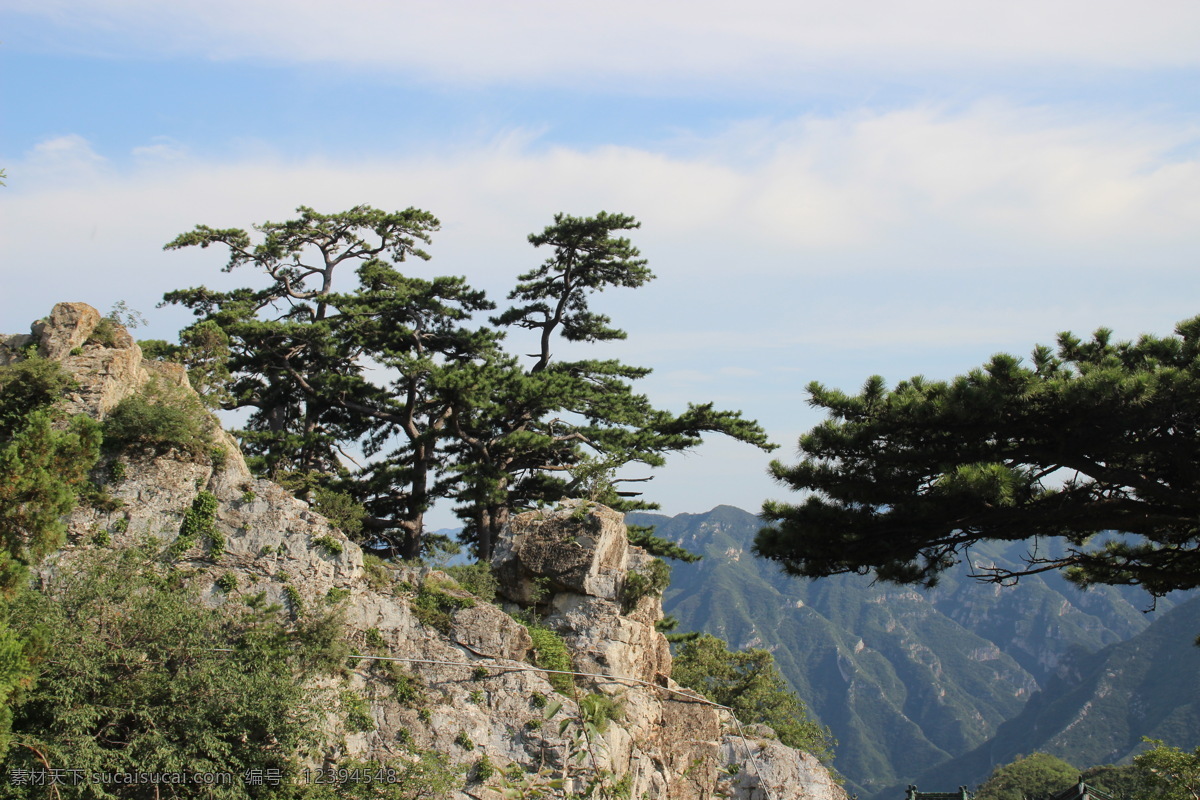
(470, 687)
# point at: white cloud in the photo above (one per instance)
(162, 150)
(836, 247)
(757, 42)
(910, 194)
(60, 161)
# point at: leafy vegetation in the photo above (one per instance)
(128, 678)
(1035, 776)
(748, 682)
(436, 603)
(199, 523)
(600, 709)
(1091, 436)
(104, 334)
(203, 350)
(329, 544)
(1170, 773)
(549, 652)
(42, 467)
(476, 579)
(651, 578)
(342, 510)
(161, 417)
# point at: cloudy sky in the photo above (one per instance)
(828, 190)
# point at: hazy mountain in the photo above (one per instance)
(1099, 708)
(907, 680)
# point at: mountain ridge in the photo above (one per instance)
(917, 678)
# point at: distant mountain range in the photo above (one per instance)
(937, 687)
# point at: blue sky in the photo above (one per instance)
(827, 190)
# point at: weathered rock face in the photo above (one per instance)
(465, 686)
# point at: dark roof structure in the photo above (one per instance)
(913, 794)
(1079, 791)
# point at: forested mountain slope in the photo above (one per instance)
(1097, 711)
(907, 680)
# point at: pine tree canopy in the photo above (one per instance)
(1090, 450)
(389, 366)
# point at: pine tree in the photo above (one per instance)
(393, 367)
(327, 371)
(1091, 437)
(41, 466)
(565, 428)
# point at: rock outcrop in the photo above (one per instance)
(472, 689)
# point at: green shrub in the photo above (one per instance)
(133, 649)
(116, 470)
(483, 770)
(159, 350)
(476, 579)
(749, 682)
(1166, 772)
(651, 579)
(336, 594)
(479, 673)
(163, 417)
(357, 712)
(435, 606)
(379, 577)
(543, 588)
(342, 510)
(406, 688)
(121, 525)
(550, 652)
(227, 582)
(375, 640)
(34, 384)
(329, 544)
(98, 498)
(104, 334)
(464, 741)
(295, 602)
(1036, 775)
(599, 710)
(199, 521)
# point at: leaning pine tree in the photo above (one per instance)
(1091, 437)
(559, 429)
